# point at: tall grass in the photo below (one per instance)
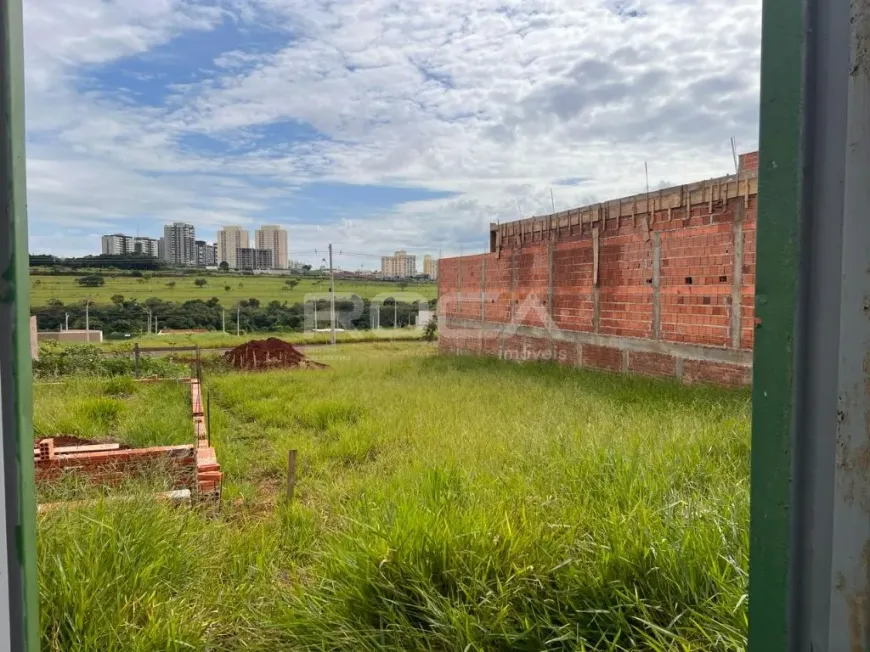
(442, 504)
(116, 409)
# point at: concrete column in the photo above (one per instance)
(656, 283)
(459, 283)
(483, 289)
(596, 309)
(737, 276)
(550, 281)
(513, 283)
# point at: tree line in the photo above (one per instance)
(129, 316)
(134, 261)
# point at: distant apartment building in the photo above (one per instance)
(145, 246)
(400, 265)
(229, 240)
(273, 238)
(118, 244)
(206, 254)
(430, 266)
(251, 258)
(161, 248)
(179, 244)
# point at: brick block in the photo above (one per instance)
(566, 352)
(602, 357)
(652, 364)
(716, 373)
(489, 343)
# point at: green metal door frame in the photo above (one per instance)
(809, 581)
(19, 627)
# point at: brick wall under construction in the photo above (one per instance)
(661, 283)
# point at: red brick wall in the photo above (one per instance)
(695, 298)
(602, 357)
(652, 364)
(573, 306)
(666, 275)
(717, 373)
(749, 161)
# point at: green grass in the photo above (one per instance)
(442, 504)
(263, 288)
(218, 340)
(136, 414)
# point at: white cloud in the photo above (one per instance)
(495, 101)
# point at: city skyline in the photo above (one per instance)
(272, 237)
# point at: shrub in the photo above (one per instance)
(431, 330)
(91, 281)
(89, 360)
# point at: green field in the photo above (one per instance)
(442, 504)
(264, 288)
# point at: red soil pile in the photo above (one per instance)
(269, 354)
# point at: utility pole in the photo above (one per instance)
(331, 295)
(395, 312)
(224, 321)
(238, 319)
(66, 321)
(734, 155)
(88, 319)
(378, 316)
(553, 201)
(315, 313)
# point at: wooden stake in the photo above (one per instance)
(291, 474)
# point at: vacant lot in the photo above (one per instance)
(442, 504)
(228, 289)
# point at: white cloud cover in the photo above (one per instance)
(495, 101)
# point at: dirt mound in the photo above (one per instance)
(269, 354)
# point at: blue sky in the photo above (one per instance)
(371, 124)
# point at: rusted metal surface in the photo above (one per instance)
(850, 600)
